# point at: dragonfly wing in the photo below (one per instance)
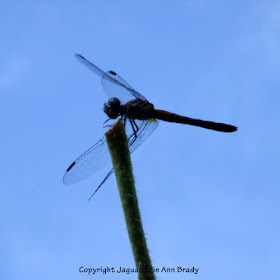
(89, 162)
(90, 65)
(98, 155)
(115, 86)
(145, 129)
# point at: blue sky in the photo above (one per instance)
(208, 200)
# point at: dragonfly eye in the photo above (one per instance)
(113, 108)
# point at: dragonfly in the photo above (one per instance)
(140, 119)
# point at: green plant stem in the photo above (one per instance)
(119, 150)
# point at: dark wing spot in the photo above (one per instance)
(113, 73)
(70, 167)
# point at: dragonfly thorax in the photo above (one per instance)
(113, 108)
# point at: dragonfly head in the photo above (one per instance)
(113, 108)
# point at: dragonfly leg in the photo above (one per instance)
(132, 124)
(107, 124)
(124, 121)
(137, 128)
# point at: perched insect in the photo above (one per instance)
(140, 120)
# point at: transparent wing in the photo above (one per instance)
(98, 155)
(113, 84)
(121, 90)
(89, 162)
(90, 65)
(145, 129)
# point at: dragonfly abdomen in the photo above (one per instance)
(170, 117)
